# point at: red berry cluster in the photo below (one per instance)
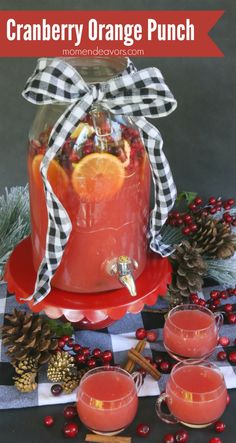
(85, 356)
(213, 304)
(70, 428)
(181, 436)
(185, 220)
(141, 334)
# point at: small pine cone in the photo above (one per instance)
(213, 237)
(27, 365)
(26, 382)
(28, 335)
(72, 381)
(188, 270)
(60, 365)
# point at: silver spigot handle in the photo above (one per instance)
(123, 265)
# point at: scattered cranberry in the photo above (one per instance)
(217, 302)
(214, 295)
(169, 438)
(219, 426)
(228, 307)
(224, 341)
(186, 230)
(212, 200)
(70, 412)
(107, 356)
(193, 297)
(61, 343)
(66, 338)
(187, 219)
(159, 359)
(193, 227)
(224, 295)
(232, 357)
(165, 367)
(212, 307)
(181, 436)
(198, 201)
(48, 421)
(151, 336)
(91, 363)
(215, 440)
(85, 351)
(192, 206)
(221, 356)
(213, 210)
(140, 333)
(231, 317)
(97, 352)
(80, 358)
(70, 430)
(143, 430)
(70, 343)
(56, 389)
(77, 348)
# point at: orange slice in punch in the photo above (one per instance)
(98, 177)
(57, 177)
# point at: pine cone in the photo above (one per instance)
(213, 237)
(72, 381)
(189, 267)
(26, 371)
(26, 382)
(27, 335)
(60, 366)
(27, 365)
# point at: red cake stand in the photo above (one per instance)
(88, 311)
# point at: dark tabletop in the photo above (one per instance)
(26, 425)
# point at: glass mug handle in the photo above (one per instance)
(138, 380)
(167, 418)
(219, 319)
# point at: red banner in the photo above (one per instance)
(108, 33)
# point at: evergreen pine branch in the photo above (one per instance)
(14, 220)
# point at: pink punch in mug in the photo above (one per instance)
(107, 399)
(196, 395)
(191, 331)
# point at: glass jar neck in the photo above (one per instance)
(99, 69)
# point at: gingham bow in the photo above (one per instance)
(134, 93)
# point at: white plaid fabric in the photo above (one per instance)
(119, 337)
(134, 93)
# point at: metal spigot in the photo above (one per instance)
(123, 267)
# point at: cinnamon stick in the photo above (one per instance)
(138, 359)
(129, 366)
(107, 438)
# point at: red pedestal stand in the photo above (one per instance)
(89, 311)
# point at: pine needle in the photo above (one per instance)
(14, 220)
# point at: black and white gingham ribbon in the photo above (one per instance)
(134, 93)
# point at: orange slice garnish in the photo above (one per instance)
(57, 177)
(98, 177)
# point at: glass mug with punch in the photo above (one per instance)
(196, 395)
(191, 331)
(107, 399)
